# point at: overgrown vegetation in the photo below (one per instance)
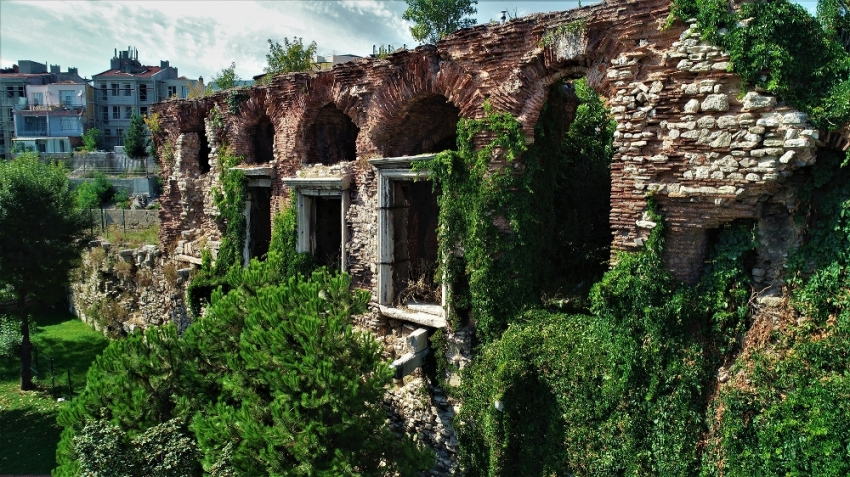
(787, 411)
(136, 138)
(779, 46)
(293, 56)
(28, 419)
(511, 222)
(94, 193)
(618, 392)
(272, 380)
(91, 140)
(226, 78)
(434, 19)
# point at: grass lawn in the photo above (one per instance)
(28, 429)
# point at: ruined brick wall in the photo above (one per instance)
(709, 152)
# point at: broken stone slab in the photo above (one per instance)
(753, 101)
(408, 363)
(418, 340)
(190, 259)
(419, 318)
(715, 102)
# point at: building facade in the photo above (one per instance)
(36, 104)
(128, 88)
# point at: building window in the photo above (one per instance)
(119, 133)
(104, 113)
(143, 110)
(107, 132)
(116, 112)
(184, 91)
(128, 91)
(67, 97)
(128, 112)
(321, 205)
(407, 244)
(37, 99)
(14, 91)
(143, 93)
(70, 124)
(172, 91)
(114, 89)
(103, 92)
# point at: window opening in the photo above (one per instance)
(143, 92)
(415, 213)
(263, 134)
(259, 222)
(203, 153)
(327, 230)
(332, 137)
(428, 125)
(408, 255)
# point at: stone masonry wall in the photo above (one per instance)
(709, 152)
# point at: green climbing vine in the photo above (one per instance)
(777, 45)
(786, 411)
(500, 219)
(621, 391)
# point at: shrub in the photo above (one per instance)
(10, 336)
(91, 194)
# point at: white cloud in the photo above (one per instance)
(201, 38)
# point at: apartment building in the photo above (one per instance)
(33, 103)
(129, 87)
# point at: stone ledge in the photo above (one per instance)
(420, 318)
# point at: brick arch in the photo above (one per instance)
(418, 104)
(251, 132)
(320, 97)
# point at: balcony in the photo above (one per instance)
(32, 131)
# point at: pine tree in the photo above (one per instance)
(302, 395)
(136, 138)
(138, 383)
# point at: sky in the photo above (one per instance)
(202, 37)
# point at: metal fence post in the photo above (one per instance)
(123, 222)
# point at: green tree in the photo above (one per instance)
(91, 194)
(434, 19)
(226, 78)
(308, 402)
(136, 138)
(41, 237)
(302, 392)
(290, 57)
(91, 140)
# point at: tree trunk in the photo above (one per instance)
(26, 347)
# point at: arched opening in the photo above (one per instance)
(203, 153)
(263, 140)
(570, 166)
(428, 124)
(331, 138)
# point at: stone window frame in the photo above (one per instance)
(389, 170)
(306, 189)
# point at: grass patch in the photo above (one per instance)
(132, 238)
(28, 429)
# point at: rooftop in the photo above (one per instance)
(149, 71)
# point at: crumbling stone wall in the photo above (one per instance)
(710, 152)
(118, 290)
(686, 132)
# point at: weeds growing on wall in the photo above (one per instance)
(497, 217)
(618, 392)
(785, 411)
(788, 411)
(780, 47)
